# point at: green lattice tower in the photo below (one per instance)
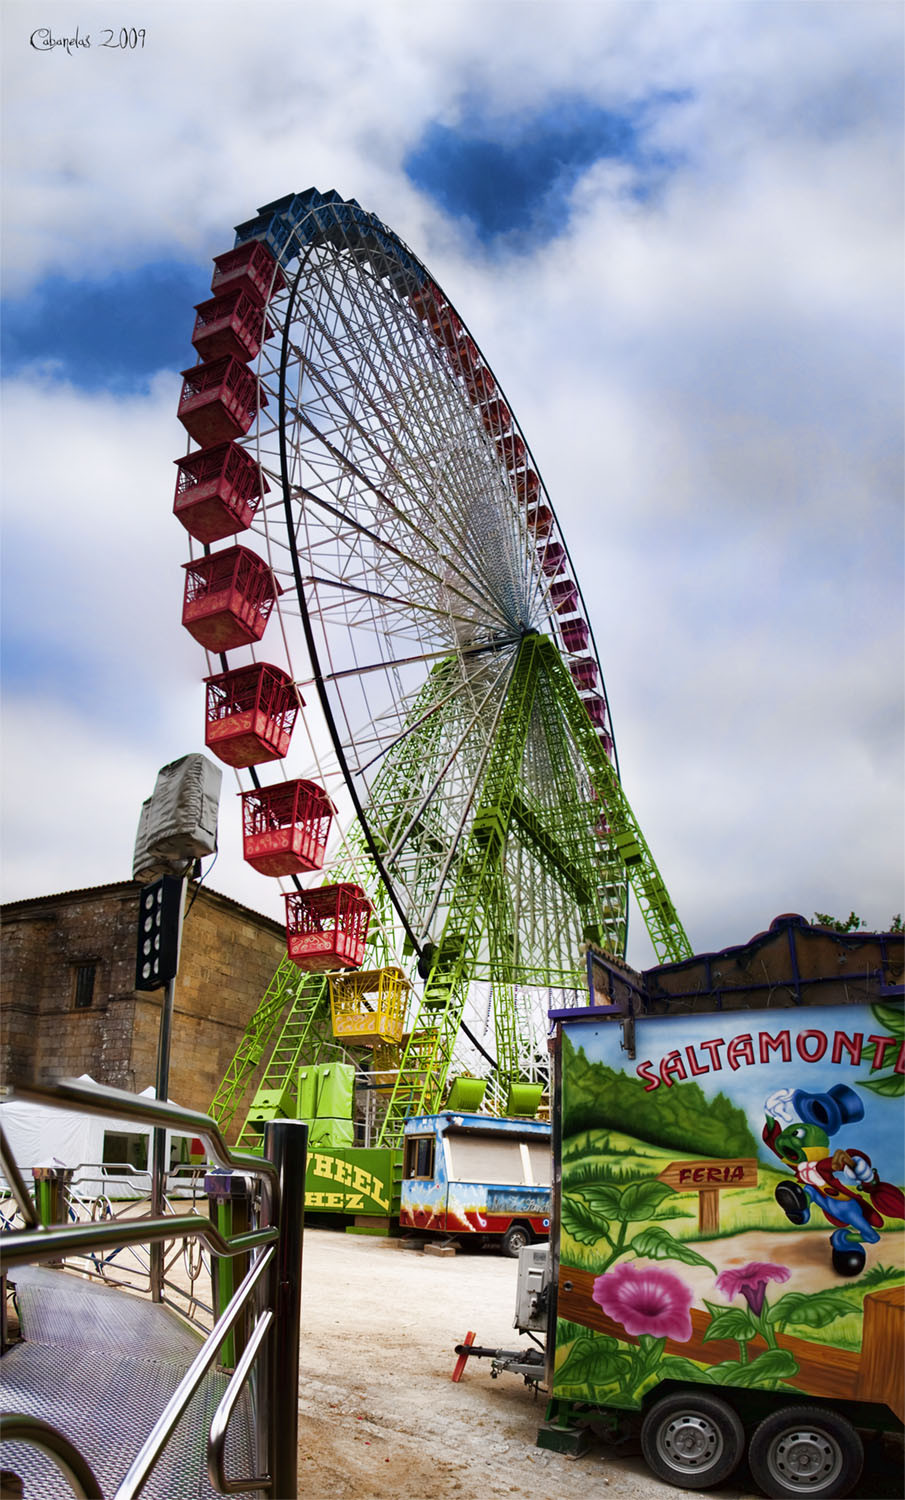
(540, 813)
(288, 987)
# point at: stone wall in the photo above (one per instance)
(229, 955)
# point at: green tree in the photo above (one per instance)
(853, 922)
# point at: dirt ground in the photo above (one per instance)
(380, 1416)
(378, 1412)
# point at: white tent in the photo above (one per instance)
(41, 1135)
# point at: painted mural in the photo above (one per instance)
(732, 1204)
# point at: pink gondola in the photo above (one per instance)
(250, 714)
(285, 827)
(327, 929)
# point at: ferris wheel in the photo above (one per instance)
(426, 600)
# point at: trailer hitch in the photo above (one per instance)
(525, 1361)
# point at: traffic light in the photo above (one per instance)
(159, 931)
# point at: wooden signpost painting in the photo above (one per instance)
(708, 1178)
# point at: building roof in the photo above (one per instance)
(126, 887)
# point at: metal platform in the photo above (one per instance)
(100, 1365)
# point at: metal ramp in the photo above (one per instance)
(100, 1365)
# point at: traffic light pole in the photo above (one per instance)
(164, 902)
(160, 1164)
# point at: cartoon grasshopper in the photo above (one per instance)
(843, 1183)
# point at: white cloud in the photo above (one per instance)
(710, 381)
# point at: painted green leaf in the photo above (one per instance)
(593, 1361)
(675, 1367)
(729, 1323)
(641, 1199)
(603, 1197)
(810, 1309)
(773, 1364)
(580, 1222)
(891, 1018)
(659, 1244)
(891, 1087)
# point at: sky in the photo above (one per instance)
(676, 232)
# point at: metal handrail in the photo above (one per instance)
(18, 1427)
(154, 1444)
(278, 1244)
(26, 1246)
(216, 1448)
(97, 1099)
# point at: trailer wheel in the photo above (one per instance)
(514, 1240)
(805, 1450)
(692, 1439)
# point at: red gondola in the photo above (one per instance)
(250, 714)
(230, 324)
(540, 520)
(286, 827)
(327, 928)
(427, 301)
(575, 635)
(495, 416)
(218, 401)
(512, 450)
(250, 266)
(447, 328)
(228, 598)
(464, 356)
(479, 384)
(527, 486)
(584, 672)
(217, 491)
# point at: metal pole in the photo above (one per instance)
(286, 1145)
(160, 1164)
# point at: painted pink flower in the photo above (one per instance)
(751, 1281)
(646, 1301)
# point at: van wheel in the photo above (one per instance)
(514, 1240)
(692, 1439)
(805, 1450)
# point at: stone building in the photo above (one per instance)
(68, 1000)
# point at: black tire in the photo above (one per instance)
(517, 1236)
(692, 1439)
(805, 1450)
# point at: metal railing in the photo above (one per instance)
(262, 1315)
(97, 1191)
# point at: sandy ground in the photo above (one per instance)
(378, 1411)
(380, 1416)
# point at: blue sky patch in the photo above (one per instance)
(112, 334)
(515, 174)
